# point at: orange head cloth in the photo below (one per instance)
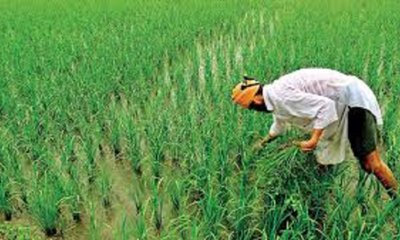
(243, 94)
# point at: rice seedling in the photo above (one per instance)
(141, 229)
(134, 152)
(90, 149)
(157, 206)
(123, 232)
(44, 202)
(93, 225)
(104, 185)
(176, 195)
(5, 197)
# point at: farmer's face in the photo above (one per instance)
(258, 104)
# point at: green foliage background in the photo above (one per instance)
(116, 120)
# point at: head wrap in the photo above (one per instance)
(243, 93)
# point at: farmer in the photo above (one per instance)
(332, 106)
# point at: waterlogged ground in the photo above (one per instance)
(110, 144)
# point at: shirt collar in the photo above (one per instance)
(267, 99)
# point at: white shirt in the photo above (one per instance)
(317, 98)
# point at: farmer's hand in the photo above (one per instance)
(307, 146)
(310, 145)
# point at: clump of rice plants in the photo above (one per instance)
(74, 201)
(116, 132)
(176, 195)
(90, 149)
(157, 137)
(104, 185)
(5, 197)
(134, 152)
(93, 222)
(157, 206)
(140, 226)
(44, 202)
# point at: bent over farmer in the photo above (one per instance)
(336, 109)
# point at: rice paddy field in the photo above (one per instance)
(116, 120)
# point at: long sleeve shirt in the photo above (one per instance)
(317, 98)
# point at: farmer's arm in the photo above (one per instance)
(321, 110)
(313, 141)
(275, 130)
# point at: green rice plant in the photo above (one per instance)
(19, 233)
(156, 170)
(90, 149)
(76, 203)
(69, 161)
(44, 202)
(243, 213)
(152, 80)
(138, 202)
(123, 232)
(5, 196)
(68, 156)
(141, 229)
(115, 142)
(176, 195)
(212, 214)
(73, 191)
(93, 224)
(157, 205)
(157, 137)
(389, 135)
(115, 131)
(134, 152)
(10, 171)
(105, 187)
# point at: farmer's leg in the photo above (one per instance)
(363, 140)
(372, 163)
